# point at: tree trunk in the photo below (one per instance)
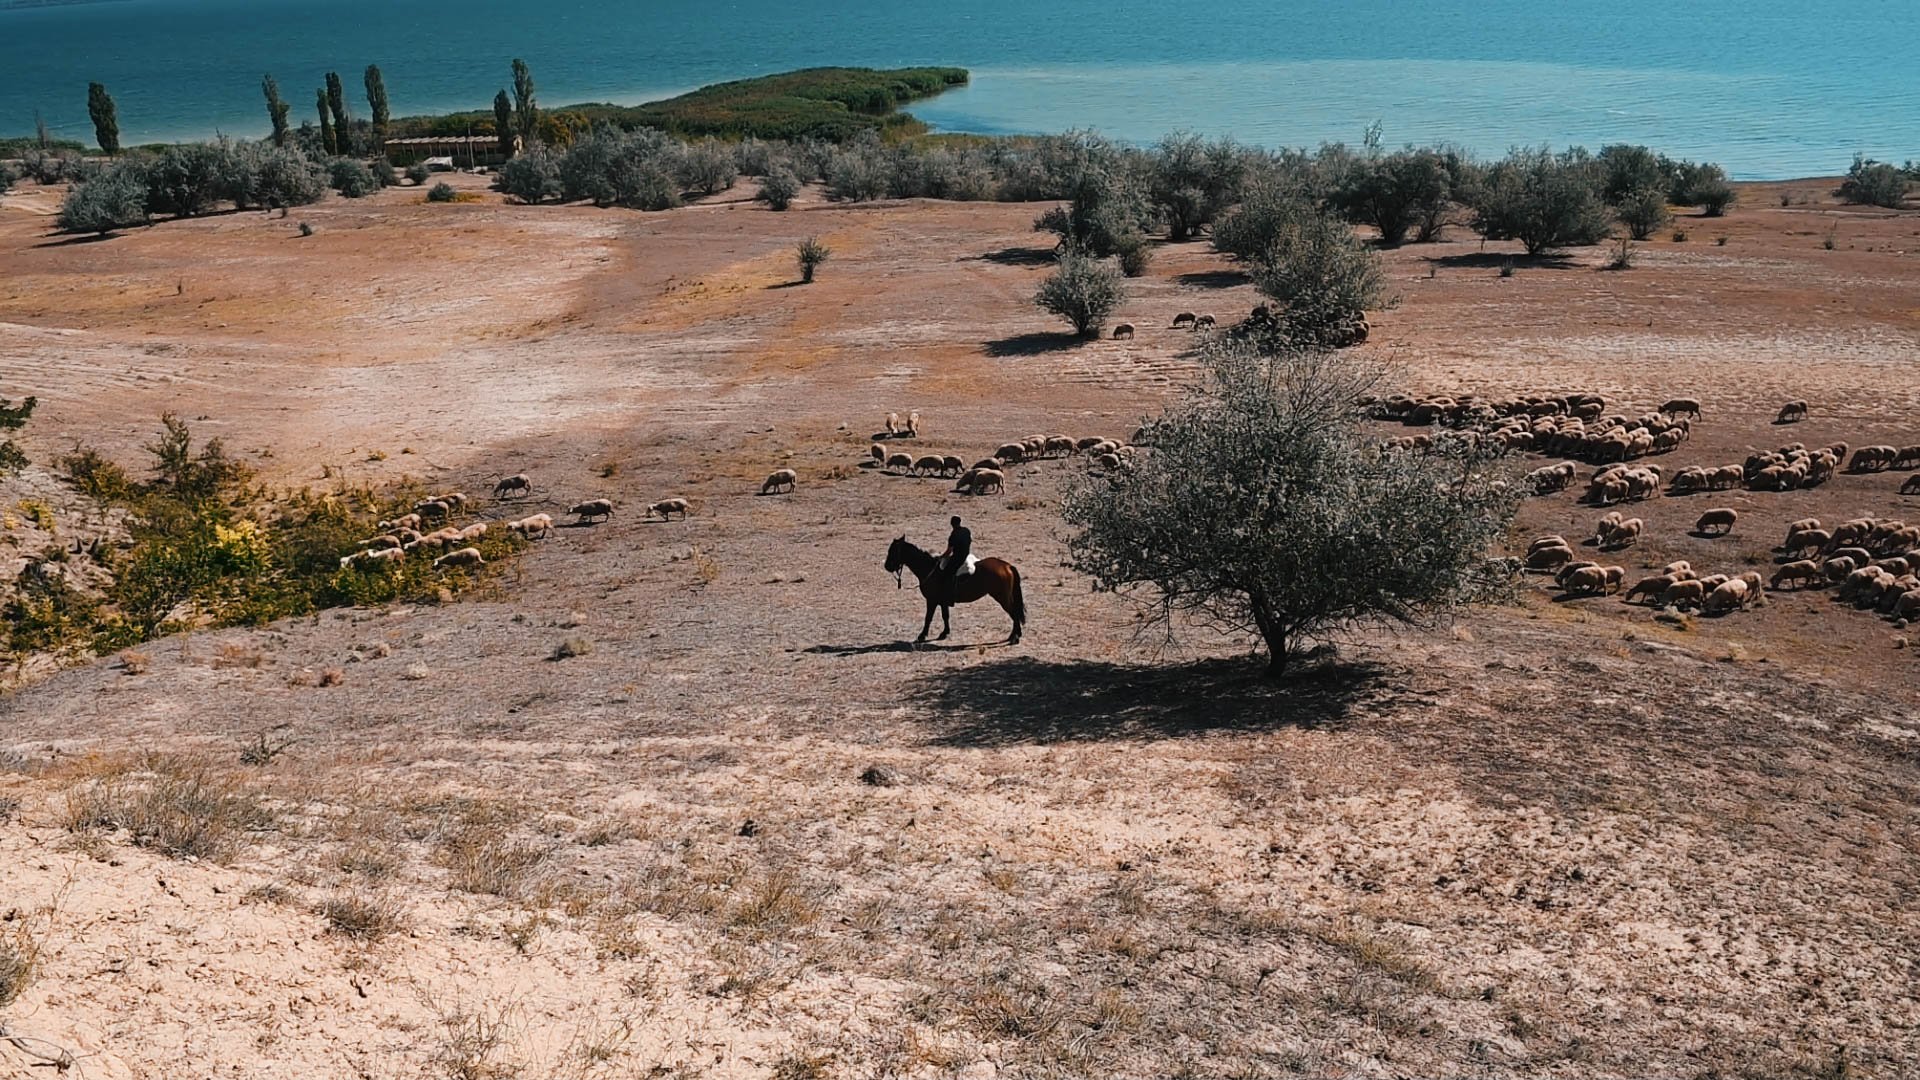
(1274, 632)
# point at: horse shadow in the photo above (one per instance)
(1018, 256)
(1021, 700)
(892, 647)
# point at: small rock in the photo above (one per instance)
(749, 828)
(883, 776)
(572, 647)
(444, 595)
(416, 672)
(1900, 641)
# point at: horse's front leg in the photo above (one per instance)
(928, 624)
(946, 621)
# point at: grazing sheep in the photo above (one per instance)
(1012, 453)
(1717, 522)
(1908, 605)
(785, 478)
(1625, 534)
(1907, 458)
(1560, 577)
(879, 453)
(542, 524)
(1795, 528)
(1606, 525)
(1792, 412)
(1682, 405)
(1912, 486)
(1652, 588)
(952, 466)
(1089, 442)
(463, 557)
(1060, 445)
(913, 423)
(1185, 318)
(455, 500)
(1109, 462)
(1549, 558)
(1204, 322)
(931, 463)
(593, 508)
(378, 542)
(1124, 330)
(1586, 581)
(981, 481)
(1838, 568)
(1810, 540)
(1802, 573)
(893, 423)
(519, 482)
(1859, 556)
(1679, 569)
(900, 461)
(666, 508)
(1873, 459)
(431, 508)
(1729, 596)
(992, 464)
(404, 521)
(1546, 542)
(474, 531)
(1683, 593)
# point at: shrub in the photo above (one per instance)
(1272, 207)
(778, 189)
(1084, 291)
(858, 173)
(175, 807)
(1874, 183)
(615, 168)
(441, 192)
(1395, 193)
(1630, 171)
(418, 174)
(1715, 198)
(351, 178)
(187, 180)
(383, 173)
(707, 167)
(115, 199)
(1700, 185)
(1191, 181)
(1135, 256)
(1106, 208)
(531, 178)
(810, 254)
(1322, 276)
(1644, 212)
(1542, 199)
(287, 177)
(96, 476)
(362, 915)
(7, 177)
(1265, 509)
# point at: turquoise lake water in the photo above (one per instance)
(1769, 88)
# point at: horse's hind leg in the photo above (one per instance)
(928, 624)
(946, 621)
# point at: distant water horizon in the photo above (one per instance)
(1771, 89)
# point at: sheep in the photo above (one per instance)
(1804, 573)
(913, 423)
(1185, 318)
(385, 541)
(431, 508)
(1873, 459)
(1089, 442)
(1616, 577)
(1109, 462)
(404, 521)
(666, 508)
(474, 531)
(1586, 581)
(1912, 486)
(1729, 596)
(899, 461)
(1551, 478)
(519, 482)
(1795, 528)
(464, 557)
(542, 524)
(1546, 542)
(1859, 556)
(1838, 568)
(1625, 534)
(1549, 558)
(1012, 453)
(1908, 605)
(1679, 569)
(1061, 445)
(455, 500)
(1652, 588)
(1564, 573)
(930, 463)
(1907, 458)
(1682, 405)
(1792, 412)
(785, 478)
(593, 508)
(1606, 525)
(952, 466)
(1124, 330)
(990, 464)
(981, 481)
(407, 536)
(1681, 593)
(1898, 565)
(1717, 522)
(1810, 540)
(893, 423)
(879, 454)
(1204, 322)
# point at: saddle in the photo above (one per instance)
(964, 569)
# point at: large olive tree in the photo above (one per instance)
(1262, 507)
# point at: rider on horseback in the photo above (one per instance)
(954, 559)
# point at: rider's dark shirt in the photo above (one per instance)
(960, 543)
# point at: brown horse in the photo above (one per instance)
(991, 577)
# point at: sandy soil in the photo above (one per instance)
(1561, 839)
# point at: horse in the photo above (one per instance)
(990, 577)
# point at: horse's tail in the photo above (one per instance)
(1019, 605)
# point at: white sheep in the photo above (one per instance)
(593, 508)
(462, 557)
(782, 478)
(1718, 521)
(666, 508)
(474, 531)
(519, 482)
(536, 525)
(913, 424)
(899, 461)
(1729, 596)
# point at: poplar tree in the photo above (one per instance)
(526, 113)
(503, 122)
(342, 123)
(106, 121)
(377, 101)
(326, 124)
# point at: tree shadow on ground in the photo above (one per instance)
(1214, 279)
(1035, 344)
(1493, 260)
(897, 647)
(1018, 256)
(87, 238)
(1023, 700)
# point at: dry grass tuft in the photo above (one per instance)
(799, 1066)
(777, 901)
(362, 915)
(572, 646)
(135, 663)
(183, 809)
(19, 955)
(235, 655)
(368, 861)
(469, 1041)
(486, 860)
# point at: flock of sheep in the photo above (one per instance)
(400, 538)
(989, 474)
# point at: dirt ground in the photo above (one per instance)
(751, 832)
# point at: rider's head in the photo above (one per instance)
(956, 521)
